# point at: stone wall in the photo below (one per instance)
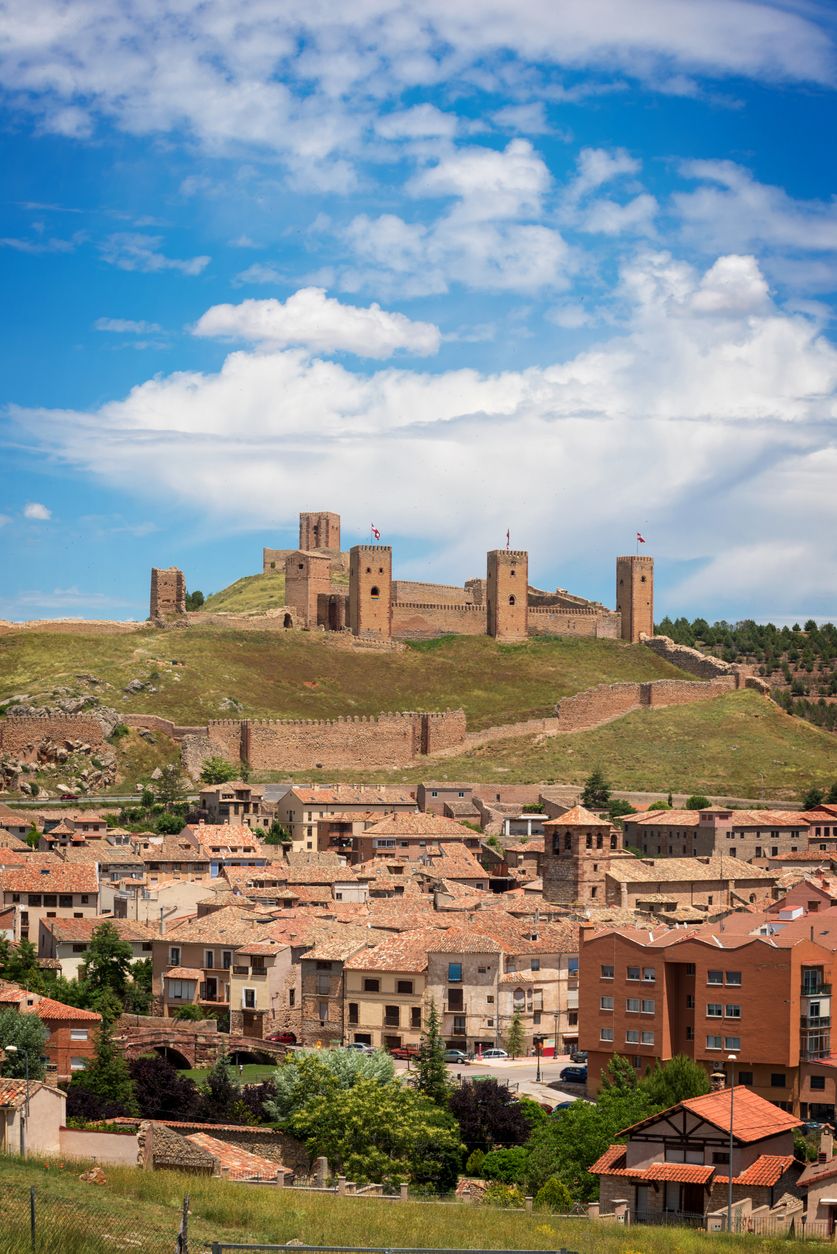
(545, 620)
(153, 722)
(597, 705)
(22, 736)
(443, 731)
(103, 1147)
(409, 591)
(661, 692)
(426, 620)
(704, 665)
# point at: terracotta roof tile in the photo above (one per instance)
(680, 1173)
(611, 1160)
(237, 1163)
(628, 870)
(766, 1171)
(578, 817)
(754, 1118)
(352, 794)
(183, 973)
(44, 873)
(13, 1092)
(421, 824)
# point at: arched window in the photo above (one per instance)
(512, 601)
(613, 841)
(375, 593)
(568, 840)
(288, 621)
(599, 841)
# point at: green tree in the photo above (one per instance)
(169, 823)
(596, 792)
(554, 1196)
(674, 1081)
(217, 770)
(381, 1132)
(170, 785)
(221, 1100)
(194, 600)
(508, 1165)
(28, 1034)
(107, 963)
(431, 1073)
(697, 802)
(473, 1166)
(277, 834)
(138, 992)
(301, 1076)
(831, 799)
(19, 965)
(812, 798)
(617, 807)
(107, 1077)
(33, 837)
(514, 1036)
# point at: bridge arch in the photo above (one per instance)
(175, 1056)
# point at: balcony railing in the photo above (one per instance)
(823, 990)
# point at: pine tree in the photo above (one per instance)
(596, 793)
(431, 1073)
(514, 1038)
(107, 1076)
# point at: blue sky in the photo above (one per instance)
(566, 269)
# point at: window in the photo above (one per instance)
(690, 1002)
(732, 1012)
(734, 977)
(745, 1077)
(415, 1017)
(78, 1064)
(649, 1006)
(649, 975)
(490, 999)
(690, 1032)
(714, 977)
(648, 1038)
(371, 986)
(572, 966)
(714, 1042)
(632, 1005)
(817, 1082)
(456, 998)
(79, 949)
(322, 1011)
(732, 1042)
(536, 964)
(174, 956)
(633, 973)
(392, 1016)
(605, 1003)
(374, 593)
(353, 1015)
(720, 1157)
(78, 1034)
(777, 1080)
(714, 1010)
(459, 1025)
(404, 986)
(632, 1036)
(291, 996)
(454, 972)
(812, 980)
(209, 959)
(605, 1034)
(181, 990)
(249, 999)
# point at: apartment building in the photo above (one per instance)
(44, 887)
(405, 835)
(236, 803)
(762, 994)
(172, 857)
(301, 808)
(67, 941)
(227, 845)
(70, 1031)
(747, 835)
(323, 982)
(192, 963)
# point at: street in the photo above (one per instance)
(518, 1072)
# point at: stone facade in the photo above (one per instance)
(22, 736)
(307, 578)
(507, 594)
(578, 849)
(635, 596)
(168, 593)
(370, 590)
(319, 531)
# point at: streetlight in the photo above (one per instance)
(24, 1122)
(537, 1041)
(731, 1059)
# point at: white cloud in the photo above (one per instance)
(5, 519)
(706, 419)
(126, 326)
(319, 322)
(597, 166)
(488, 184)
(261, 272)
(423, 121)
(528, 119)
(37, 512)
(131, 251)
(731, 210)
(608, 217)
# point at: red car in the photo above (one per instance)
(405, 1052)
(282, 1038)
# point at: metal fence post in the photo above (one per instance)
(32, 1216)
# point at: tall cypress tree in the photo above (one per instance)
(431, 1073)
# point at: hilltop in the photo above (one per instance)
(256, 593)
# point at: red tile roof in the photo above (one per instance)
(766, 1171)
(183, 973)
(681, 1173)
(237, 1163)
(45, 873)
(577, 817)
(754, 1118)
(612, 1160)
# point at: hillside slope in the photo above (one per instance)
(256, 593)
(197, 673)
(739, 745)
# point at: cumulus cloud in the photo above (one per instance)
(707, 417)
(488, 184)
(37, 512)
(319, 322)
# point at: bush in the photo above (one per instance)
(554, 1196)
(697, 802)
(473, 1166)
(506, 1195)
(189, 1013)
(119, 731)
(506, 1165)
(217, 770)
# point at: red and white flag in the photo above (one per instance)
(640, 538)
(376, 533)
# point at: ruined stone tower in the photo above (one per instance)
(578, 848)
(307, 576)
(507, 595)
(635, 596)
(168, 592)
(319, 531)
(370, 590)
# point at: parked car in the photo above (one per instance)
(578, 1055)
(562, 1106)
(494, 1053)
(405, 1052)
(573, 1075)
(457, 1056)
(282, 1038)
(360, 1048)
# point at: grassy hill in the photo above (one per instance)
(198, 673)
(740, 745)
(140, 1211)
(255, 593)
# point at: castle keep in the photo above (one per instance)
(377, 608)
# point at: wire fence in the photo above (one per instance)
(35, 1223)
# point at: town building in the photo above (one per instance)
(66, 941)
(70, 1031)
(44, 887)
(301, 808)
(748, 835)
(235, 802)
(47, 1115)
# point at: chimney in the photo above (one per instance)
(717, 1081)
(826, 1149)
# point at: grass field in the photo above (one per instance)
(251, 1073)
(740, 745)
(137, 1210)
(250, 595)
(196, 673)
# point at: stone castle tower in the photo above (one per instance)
(635, 596)
(507, 594)
(319, 531)
(168, 592)
(307, 576)
(370, 590)
(578, 848)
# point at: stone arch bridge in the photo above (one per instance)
(189, 1044)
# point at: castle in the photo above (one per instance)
(375, 606)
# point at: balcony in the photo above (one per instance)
(822, 990)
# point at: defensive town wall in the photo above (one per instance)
(412, 592)
(599, 705)
(21, 736)
(388, 740)
(546, 620)
(704, 665)
(424, 621)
